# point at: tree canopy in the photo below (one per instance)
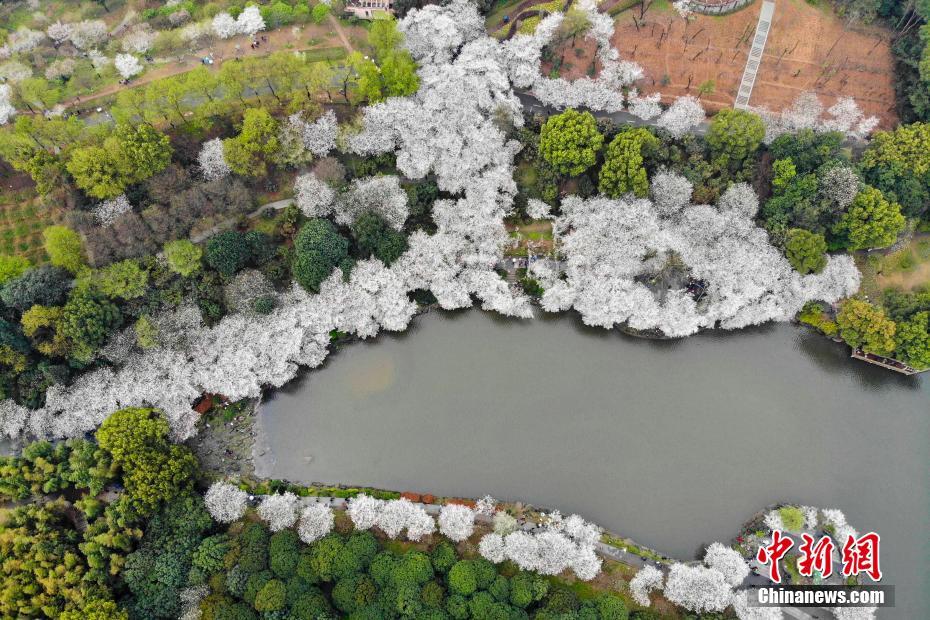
(570, 142)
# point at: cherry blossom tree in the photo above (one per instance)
(319, 137)
(486, 506)
(88, 34)
(839, 185)
(745, 611)
(646, 108)
(278, 511)
(399, 514)
(491, 547)
(728, 561)
(456, 522)
(7, 111)
(381, 195)
(683, 115)
(313, 196)
(225, 502)
(224, 25)
(537, 209)
(21, 40)
(212, 161)
(61, 68)
(646, 580)
(13, 72)
(59, 32)
(107, 211)
(522, 549)
(671, 192)
(138, 40)
(585, 563)
(127, 65)
(316, 521)
(250, 20)
(697, 588)
(364, 510)
(741, 199)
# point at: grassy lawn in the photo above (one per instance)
(325, 53)
(907, 269)
(534, 235)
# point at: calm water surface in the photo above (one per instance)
(672, 443)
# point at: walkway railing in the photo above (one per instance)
(754, 61)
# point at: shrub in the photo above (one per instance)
(319, 248)
(284, 553)
(183, 257)
(462, 579)
(63, 247)
(228, 252)
(792, 518)
(271, 597)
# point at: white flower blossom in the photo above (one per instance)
(127, 65)
(212, 160)
(697, 588)
(316, 521)
(682, 116)
(491, 548)
(728, 561)
(646, 580)
(313, 196)
(364, 510)
(225, 503)
(107, 211)
(278, 511)
(456, 522)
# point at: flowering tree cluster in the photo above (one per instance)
(212, 160)
(807, 112)
(316, 521)
(138, 40)
(7, 111)
(278, 511)
(391, 517)
(127, 65)
(697, 588)
(560, 545)
(456, 522)
(249, 22)
(22, 39)
(107, 211)
(610, 245)
(88, 34)
(646, 580)
(225, 502)
(683, 115)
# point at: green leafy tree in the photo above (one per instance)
(319, 248)
(271, 597)
(375, 237)
(154, 469)
(871, 221)
(183, 257)
(44, 285)
(865, 326)
(228, 252)
(87, 320)
(126, 279)
(734, 136)
(12, 267)
(97, 171)
(912, 340)
(784, 171)
(462, 579)
(284, 553)
(96, 610)
(792, 518)
(623, 170)
(64, 247)
(570, 142)
(898, 163)
(319, 12)
(257, 142)
(131, 155)
(806, 251)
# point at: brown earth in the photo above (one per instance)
(808, 48)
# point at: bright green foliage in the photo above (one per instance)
(44, 285)
(392, 71)
(898, 163)
(375, 237)
(623, 170)
(912, 340)
(97, 610)
(12, 267)
(806, 251)
(871, 221)
(154, 469)
(734, 136)
(42, 569)
(44, 468)
(183, 257)
(146, 332)
(611, 608)
(319, 248)
(462, 578)
(271, 597)
(354, 592)
(570, 142)
(63, 247)
(865, 326)
(256, 143)
(157, 571)
(413, 568)
(123, 280)
(254, 584)
(323, 556)
(132, 154)
(228, 252)
(319, 12)
(783, 171)
(86, 320)
(792, 518)
(208, 557)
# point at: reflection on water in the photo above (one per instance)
(674, 443)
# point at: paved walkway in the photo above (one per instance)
(276, 205)
(754, 60)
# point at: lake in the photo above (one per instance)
(673, 443)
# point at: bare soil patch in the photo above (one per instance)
(808, 48)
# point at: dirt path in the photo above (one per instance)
(295, 38)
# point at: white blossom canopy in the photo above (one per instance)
(225, 503)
